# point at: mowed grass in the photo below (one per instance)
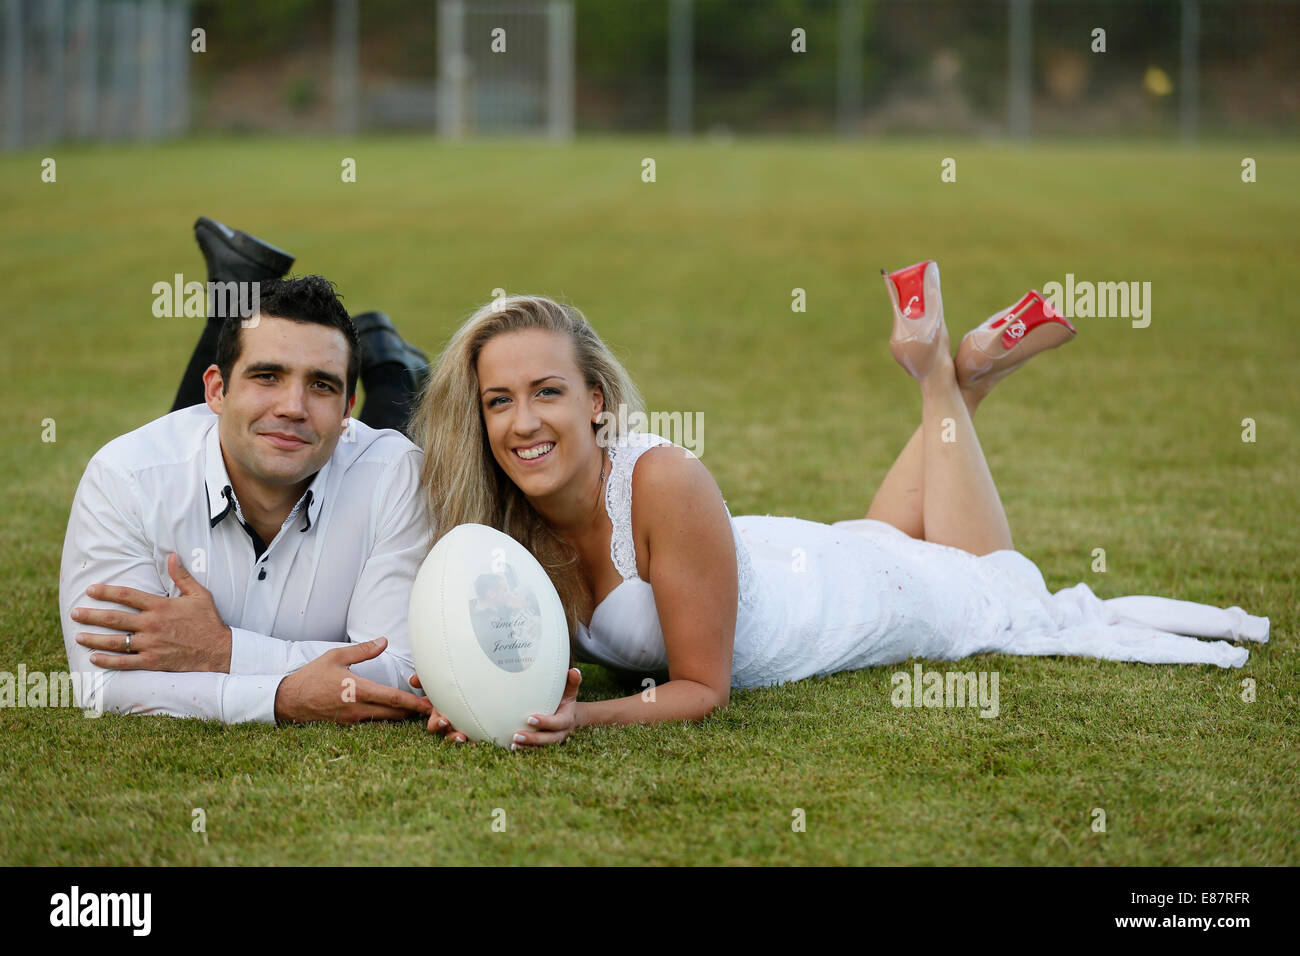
(1129, 440)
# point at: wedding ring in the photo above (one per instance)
(128, 642)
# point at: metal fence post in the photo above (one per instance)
(14, 101)
(848, 100)
(181, 24)
(123, 89)
(1020, 38)
(1189, 98)
(87, 69)
(346, 66)
(680, 67)
(559, 69)
(453, 69)
(152, 75)
(56, 37)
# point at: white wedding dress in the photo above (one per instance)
(818, 599)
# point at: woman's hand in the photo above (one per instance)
(439, 724)
(555, 728)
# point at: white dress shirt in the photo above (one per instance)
(339, 570)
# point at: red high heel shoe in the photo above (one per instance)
(919, 335)
(1008, 339)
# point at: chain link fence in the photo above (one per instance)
(88, 70)
(129, 69)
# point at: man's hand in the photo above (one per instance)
(326, 689)
(183, 633)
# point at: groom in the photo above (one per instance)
(251, 558)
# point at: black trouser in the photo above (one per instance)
(389, 401)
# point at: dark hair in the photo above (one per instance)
(305, 299)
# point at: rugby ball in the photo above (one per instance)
(488, 634)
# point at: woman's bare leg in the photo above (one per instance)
(940, 487)
(961, 507)
(901, 496)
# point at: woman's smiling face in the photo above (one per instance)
(538, 410)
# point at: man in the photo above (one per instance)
(251, 558)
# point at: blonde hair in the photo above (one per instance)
(462, 479)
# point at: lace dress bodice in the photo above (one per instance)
(624, 632)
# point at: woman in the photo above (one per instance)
(656, 576)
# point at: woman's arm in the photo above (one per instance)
(676, 700)
(691, 567)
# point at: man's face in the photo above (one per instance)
(285, 407)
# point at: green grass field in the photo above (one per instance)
(1127, 439)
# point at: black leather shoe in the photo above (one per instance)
(234, 256)
(381, 345)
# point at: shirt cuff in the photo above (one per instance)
(253, 653)
(249, 698)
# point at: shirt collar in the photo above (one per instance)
(221, 493)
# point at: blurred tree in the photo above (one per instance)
(241, 32)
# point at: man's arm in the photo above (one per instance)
(105, 542)
(380, 602)
(105, 523)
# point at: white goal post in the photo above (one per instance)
(505, 67)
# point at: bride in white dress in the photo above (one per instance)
(519, 432)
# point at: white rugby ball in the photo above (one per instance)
(488, 634)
